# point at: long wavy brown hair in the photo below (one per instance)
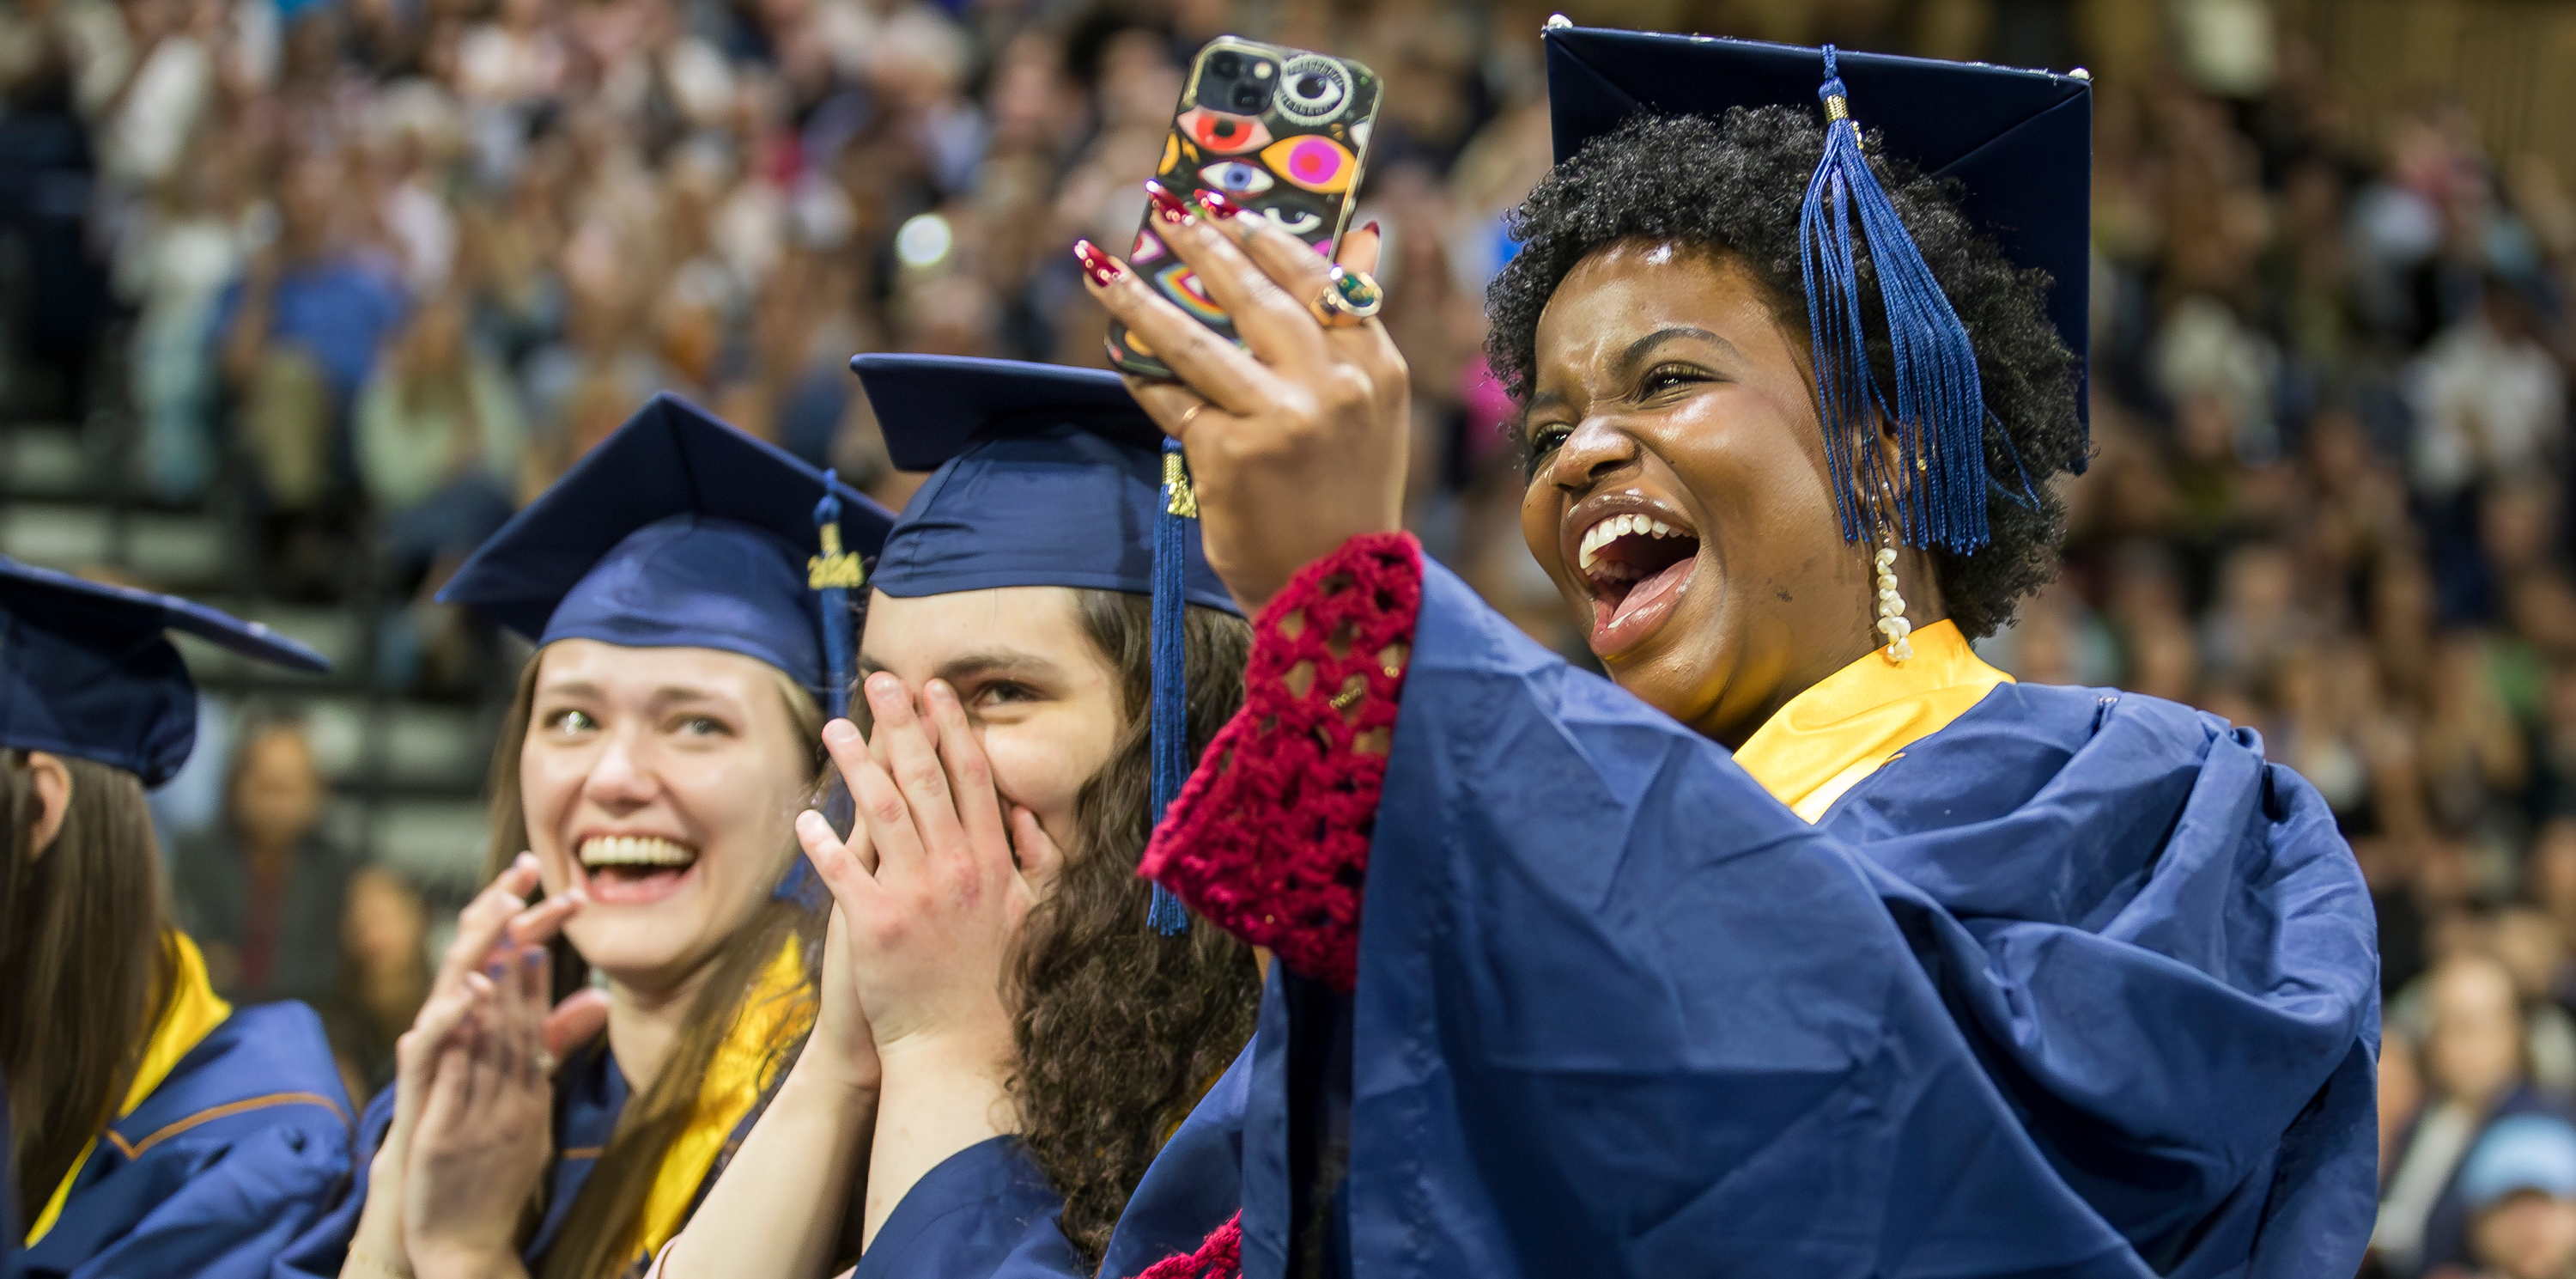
(1120, 1028)
(606, 1212)
(86, 963)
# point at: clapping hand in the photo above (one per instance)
(483, 1136)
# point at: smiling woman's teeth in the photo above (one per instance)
(635, 850)
(1616, 527)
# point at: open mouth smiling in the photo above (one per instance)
(635, 869)
(1634, 557)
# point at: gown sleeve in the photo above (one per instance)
(985, 1212)
(2080, 986)
(1270, 836)
(322, 1246)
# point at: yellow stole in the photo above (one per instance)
(1853, 721)
(779, 1009)
(191, 1013)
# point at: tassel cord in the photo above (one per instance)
(1939, 404)
(1171, 726)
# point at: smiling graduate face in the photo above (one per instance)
(1678, 492)
(665, 782)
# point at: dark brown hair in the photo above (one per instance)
(1120, 1028)
(605, 1212)
(87, 958)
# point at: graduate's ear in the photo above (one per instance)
(53, 787)
(1894, 479)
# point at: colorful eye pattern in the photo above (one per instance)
(1312, 161)
(1293, 221)
(1222, 134)
(1147, 248)
(1181, 284)
(1234, 177)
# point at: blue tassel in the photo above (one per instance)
(831, 575)
(1940, 406)
(1171, 720)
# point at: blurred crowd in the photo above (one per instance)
(378, 270)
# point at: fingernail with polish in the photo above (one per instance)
(1218, 206)
(1371, 228)
(1102, 268)
(1167, 206)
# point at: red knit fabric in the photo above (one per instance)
(1221, 1257)
(1270, 835)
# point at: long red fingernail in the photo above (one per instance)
(1167, 206)
(1102, 268)
(1218, 206)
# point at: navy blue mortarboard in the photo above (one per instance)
(86, 671)
(679, 531)
(1047, 476)
(2018, 143)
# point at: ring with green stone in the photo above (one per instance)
(1349, 297)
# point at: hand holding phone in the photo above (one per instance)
(1282, 132)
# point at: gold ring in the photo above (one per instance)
(1349, 297)
(1195, 410)
(546, 1062)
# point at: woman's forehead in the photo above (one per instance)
(1630, 287)
(604, 669)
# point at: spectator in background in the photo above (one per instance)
(264, 892)
(384, 976)
(299, 334)
(440, 439)
(2519, 1186)
(2475, 1072)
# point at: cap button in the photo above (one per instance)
(1558, 22)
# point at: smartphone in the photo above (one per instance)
(1283, 132)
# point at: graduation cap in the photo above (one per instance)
(679, 531)
(86, 671)
(2018, 143)
(1047, 476)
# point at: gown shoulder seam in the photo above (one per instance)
(210, 1114)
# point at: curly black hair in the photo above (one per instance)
(1733, 186)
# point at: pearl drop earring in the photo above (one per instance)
(1891, 607)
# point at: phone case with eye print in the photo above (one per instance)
(1294, 157)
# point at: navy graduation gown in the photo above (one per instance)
(590, 1093)
(2076, 986)
(1195, 1183)
(985, 1212)
(236, 1152)
(988, 1211)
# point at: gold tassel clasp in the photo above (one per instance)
(834, 567)
(1181, 499)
